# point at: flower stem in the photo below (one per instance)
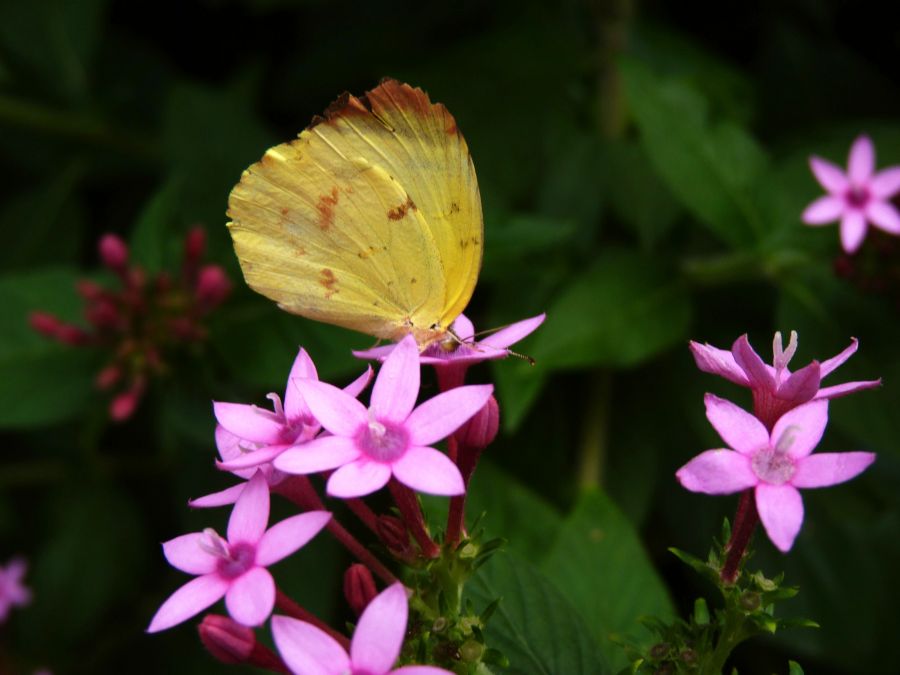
(729, 638)
(745, 521)
(362, 511)
(292, 609)
(412, 515)
(456, 524)
(592, 451)
(299, 490)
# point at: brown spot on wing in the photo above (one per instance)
(328, 281)
(398, 212)
(325, 207)
(454, 207)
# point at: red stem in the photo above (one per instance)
(412, 515)
(362, 511)
(745, 521)
(292, 609)
(456, 524)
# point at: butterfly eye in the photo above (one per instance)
(435, 326)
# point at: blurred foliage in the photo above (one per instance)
(642, 168)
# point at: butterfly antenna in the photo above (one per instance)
(524, 357)
(471, 342)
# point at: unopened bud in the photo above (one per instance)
(194, 244)
(122, 406)
(107, 377)
(44, 323)
(226, 639)
(660, 650)
(481, 430)
(471, 651)
(89, 290)
(103, 314)
(113, 252)
(213, 286)
(393, 533)
(750, 601)
(359, 587)
(71, 335)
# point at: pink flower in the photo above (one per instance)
(235, 568)
(857, 197)
(775, 464)
(13, 592)
(775, 388)
(368, 446)
(374, 650)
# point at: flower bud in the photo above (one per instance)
(481, 430)
(71, 335)
(194, 245)
(103, 314)
(44, 323)
(226, 639)
(213, 286)
(107, 377)
(394, 534)
(122, 406)
(359, 587)
(89, 290)
(113, 252)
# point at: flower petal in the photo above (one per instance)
(853, 230)
(396, 387)
(221, 498)
(720, 362)
(463, 328)
(828, 366)
(839, 390)
(320, 454)
(184, 553)
(802, 385)
(358, 479)
(738, 428)
(420, 670)
(303, 367)
(758, 374)
(884, 216)
(334, 409)
(440, 416)
(250, 514)
(375, 353)
(189, 600)
(505, 337)
(249, 422)
(886, 183)
(830, 468)
(308, 650)
(717, 472)
(250, 460)
(801, 429)
(861, 161)
(379, 633)
(251, 597)
(780, 509)
(830, 176)
(289, 535)
(356, 387)
(430, 471)
(824, 210)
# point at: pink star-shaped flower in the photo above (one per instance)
(374, 650)
(368, 446)
(235, 568)
(13, 592)
(775, 464)
(775, 388)
(857, 197)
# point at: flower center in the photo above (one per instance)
(233, 560)
(857, 196)
(383, 441)
(773, 465)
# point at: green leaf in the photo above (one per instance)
(623, 310)
(534, 626)
(152, 234)
(794, 668)
(599, 564)
(518, 385)
(711, 167)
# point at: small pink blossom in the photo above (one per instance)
(13, 592)
(857, 197)
(369, 445)
(775, 464)
(374, 650)
(235, 567)
(775, 388)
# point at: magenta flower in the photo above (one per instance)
(235, 568)
(775, 464)
(368, 446)
(775, 388)
(374, 650)
(263, 434)
(857, 197)
(13, 592)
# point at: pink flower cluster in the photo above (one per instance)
(317, 428)
(770, 451)
(143, 319)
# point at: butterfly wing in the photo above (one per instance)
(371, 219)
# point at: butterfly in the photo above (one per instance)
(371, 219)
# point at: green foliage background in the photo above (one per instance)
(643, 168)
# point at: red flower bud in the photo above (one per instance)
(89, 290)
(71, 335)
(123, 406)
(213, 286)
(103, 314)
(113, 252)
(359, 587)
(107, 377)
(226, 639)
(394, 534)
(194, 244)
(44, 323)
(481, 430)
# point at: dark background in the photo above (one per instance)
(642, 169)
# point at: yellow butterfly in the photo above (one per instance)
(370, 220)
